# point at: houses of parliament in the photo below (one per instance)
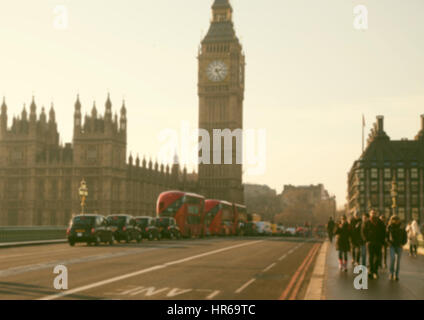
(40, 177)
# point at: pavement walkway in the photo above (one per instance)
(340, 285)
(30, 243)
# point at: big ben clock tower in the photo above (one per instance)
(221, 94)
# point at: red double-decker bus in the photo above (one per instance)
(240, 218)
(186, 208)
(219, 217)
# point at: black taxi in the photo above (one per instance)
(89, 228)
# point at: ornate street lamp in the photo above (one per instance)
(83, 193)
(394, 194)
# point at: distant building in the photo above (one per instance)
(39, 177)
(261, 199)
(312, 194)
(306, 204)
(384, 161)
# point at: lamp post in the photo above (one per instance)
(394, 193)
(83, 193)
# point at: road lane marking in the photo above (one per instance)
(26, 254)
(175, 292)
(148, 291)
(143, 271)
(302, 277)
(269, 267)
(296, 274)
(213, 295)
(245, 285)
(52, 264)
(289, 252)
(282, 257)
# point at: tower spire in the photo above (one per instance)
(123, 120)
(222, 11)
(3, 106)
(52, 114)
(77, 116)
(33, 108)
(221, 4)
(108, 108)
(221, 28)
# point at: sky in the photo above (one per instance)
(310, 74)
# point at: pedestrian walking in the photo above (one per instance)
(396, 238)
(342, 242)
(330, 228)
(383, 260)
(413, 232)
(355, 238)
(375, 234)
(365, 218)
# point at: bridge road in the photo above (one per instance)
(213, 268)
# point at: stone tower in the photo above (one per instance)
(221, 94)
(100, 143)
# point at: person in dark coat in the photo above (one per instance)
(343, 242)
(383, 259)
(355, 238)
(330, 228)
(396, 238)
(365, 218)
(375, 235)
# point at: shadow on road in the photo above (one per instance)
(27, 291)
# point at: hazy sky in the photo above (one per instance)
(309, 77)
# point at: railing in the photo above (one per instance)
(23, 233)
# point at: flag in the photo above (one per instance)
(363, 128)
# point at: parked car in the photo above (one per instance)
(152, 231)
(143, 222)
(168, 228)
(290, 232)
(263, 228)
(91, 229)
(124, 228)
(320, 231)
(301, 232)
(280, 230)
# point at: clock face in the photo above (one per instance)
(217, 71)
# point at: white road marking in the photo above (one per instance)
(269, 267)
(282, 257)
(136, 273)
(148, 291)
(52, 264)
(245, 285)
(213, 294)
(175, 292)
(26, 254)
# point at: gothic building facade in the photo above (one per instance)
(39, 177)
(221, 95)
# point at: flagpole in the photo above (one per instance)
(363, 128)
